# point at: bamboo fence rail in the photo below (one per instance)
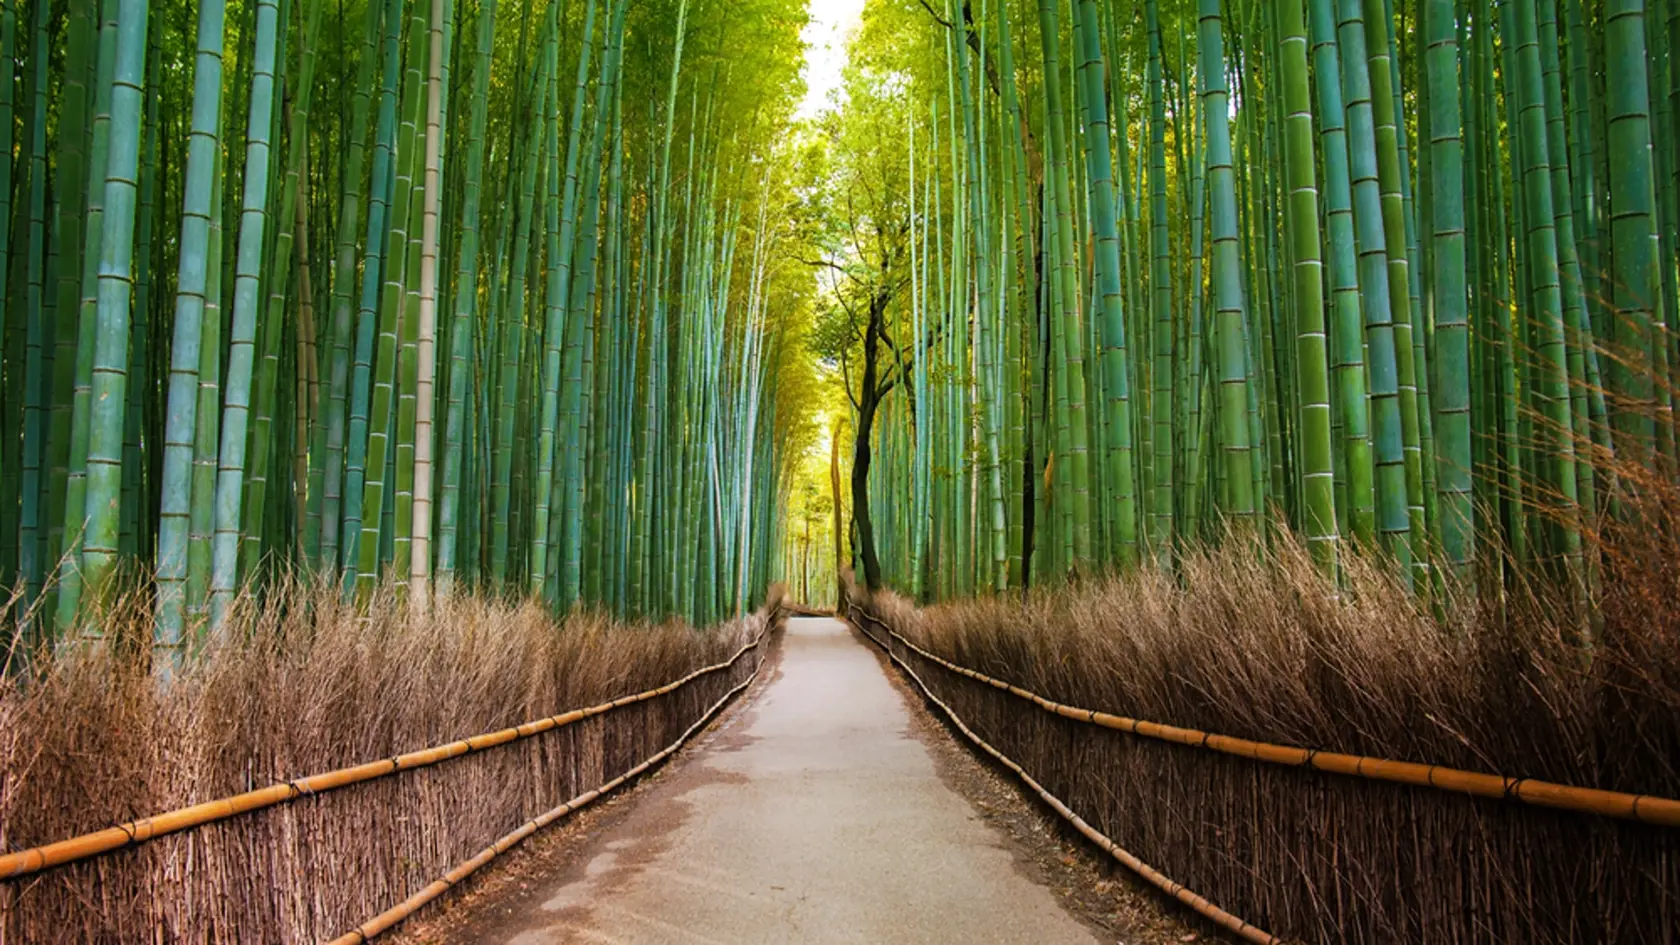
(1203, 907)
(390, 917)
(97, 843)
(1645, 808)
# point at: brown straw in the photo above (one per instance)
(390, 917)
(1644, 808)
(100, 842)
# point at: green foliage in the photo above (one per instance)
(281, 404)
(1072, 282)
(1359, 249)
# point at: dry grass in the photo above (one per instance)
(1254, 643)
(310, 687)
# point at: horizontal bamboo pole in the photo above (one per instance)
(1645, 808)
(1177, 890)
(100, 842)
(390, 917)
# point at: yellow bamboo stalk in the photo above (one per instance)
(308, 380)
(1645, 808)
(134, 832)
(420, 529)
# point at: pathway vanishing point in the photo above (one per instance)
(813, 816)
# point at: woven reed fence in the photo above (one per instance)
(308, 869)
(1314, 856)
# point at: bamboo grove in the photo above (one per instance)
(433, 294)
(1396, 274)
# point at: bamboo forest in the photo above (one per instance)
(1247, 424)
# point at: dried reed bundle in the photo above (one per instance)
(313, 685)
(1252, 642)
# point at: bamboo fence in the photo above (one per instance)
(273, 864)
(1200, 904)
(1645, 808)
(1384, 851)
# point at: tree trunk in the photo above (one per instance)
(839, 529)
(867, 405)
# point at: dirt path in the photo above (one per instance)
(825, 812)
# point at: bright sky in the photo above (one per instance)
(832, 23)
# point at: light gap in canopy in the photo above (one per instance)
(826, 37)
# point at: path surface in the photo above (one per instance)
(813, 816)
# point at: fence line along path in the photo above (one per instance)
(814, 816)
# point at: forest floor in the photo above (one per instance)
(829, 807)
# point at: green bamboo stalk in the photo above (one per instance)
(230, 469)
(70, 195)
(1230, 312)
(36, 371)
(383, 467)
(1552, 390)
(1390, 180)
(331, 447)
(1635, 280)
(110, 357)
(1578, 339)
(138, 512)
(1072, 422)
(259, 459)
(466, 300)
(1347, 328)
(362, 415)
(561, 244)
(1376, 280)
(11, 222)
(1162, 528)
(1317, 473)
(403, 292)
(201, 512)
(991, 524)
(1451, 301)
(513, 340)
(70, 582)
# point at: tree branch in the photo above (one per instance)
(973, 42)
